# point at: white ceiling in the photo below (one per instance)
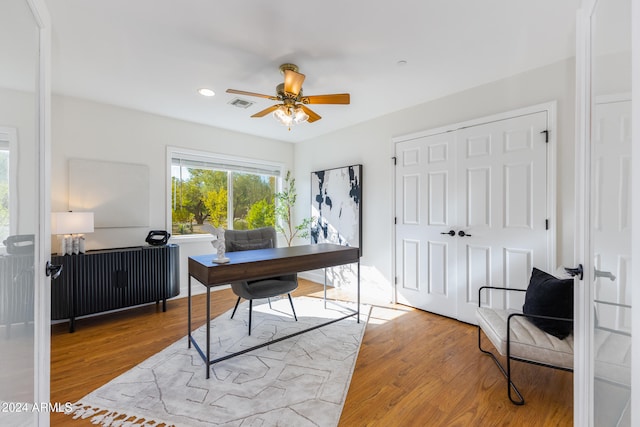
(153, 55)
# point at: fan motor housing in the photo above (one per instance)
(284, 95)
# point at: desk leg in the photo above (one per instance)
(189, 313)
(358, 316)
(206, 364)
(325, 288)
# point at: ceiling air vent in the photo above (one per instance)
(240, 103)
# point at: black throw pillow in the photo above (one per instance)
(549, 296)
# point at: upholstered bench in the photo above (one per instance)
(527, 341)
(516, 337)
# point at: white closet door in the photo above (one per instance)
(425, 202)
(487, 186)
(502, 209)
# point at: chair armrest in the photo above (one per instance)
(538, 316)
(495, 287)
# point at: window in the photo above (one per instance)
(8, 194)
(220, 191)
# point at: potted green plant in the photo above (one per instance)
(285, 202)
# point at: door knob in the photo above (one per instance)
(463, 234)
(450, 233)
(53, 270)
(578, 271)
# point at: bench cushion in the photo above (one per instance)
(528, 342)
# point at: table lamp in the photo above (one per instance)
(71, 226)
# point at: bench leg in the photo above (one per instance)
(507, 373)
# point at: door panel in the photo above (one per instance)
(611, 237)
(504, 207)
(24, 300)
(425, 258)
(611, 207)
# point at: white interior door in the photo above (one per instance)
(611, 236)
(472, 210)
(24, 213)
(502, 208)
(611, 147)
(425, 250)
(603, 336)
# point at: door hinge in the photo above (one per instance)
(395, 220)
(395, 280)
(546, 224)
(546, 135)
(395, 160)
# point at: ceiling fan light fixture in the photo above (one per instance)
(299, 116)
(283, 115)
(289, 115)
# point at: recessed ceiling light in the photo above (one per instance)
(402, 62)
(206, 92)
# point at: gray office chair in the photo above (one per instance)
(259, 238)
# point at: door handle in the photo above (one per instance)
(450, 233)
(53, 270)
(573, 272)
(463, 234)
(609, 275)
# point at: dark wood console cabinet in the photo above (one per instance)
(105, 280)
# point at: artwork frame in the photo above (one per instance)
(336, 206)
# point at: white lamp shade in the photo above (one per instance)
(71, 222)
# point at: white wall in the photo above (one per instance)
(370, 144)
(89, 130)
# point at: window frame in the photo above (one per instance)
(212, 157)
(9, 138)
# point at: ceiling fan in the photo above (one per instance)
(292, 108)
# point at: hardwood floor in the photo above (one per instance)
(414, 368)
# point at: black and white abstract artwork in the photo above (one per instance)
(336, 199)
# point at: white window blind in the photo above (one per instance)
(223, 163)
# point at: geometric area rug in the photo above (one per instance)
(300, 381)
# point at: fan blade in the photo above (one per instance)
(242, 92)
(293, 82)
(266, 111)
(336, 98)
(313, 116)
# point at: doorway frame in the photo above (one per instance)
(583, 294)
(42, 292)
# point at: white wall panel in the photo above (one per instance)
(438, 153)
(411, 157)
(517, 140)
(518, 264)
(411, 264)
(478, 209)
(438, 281)
(478, 271)
(478, 146)
(518, 194)
(411, 199)
(438, 201)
